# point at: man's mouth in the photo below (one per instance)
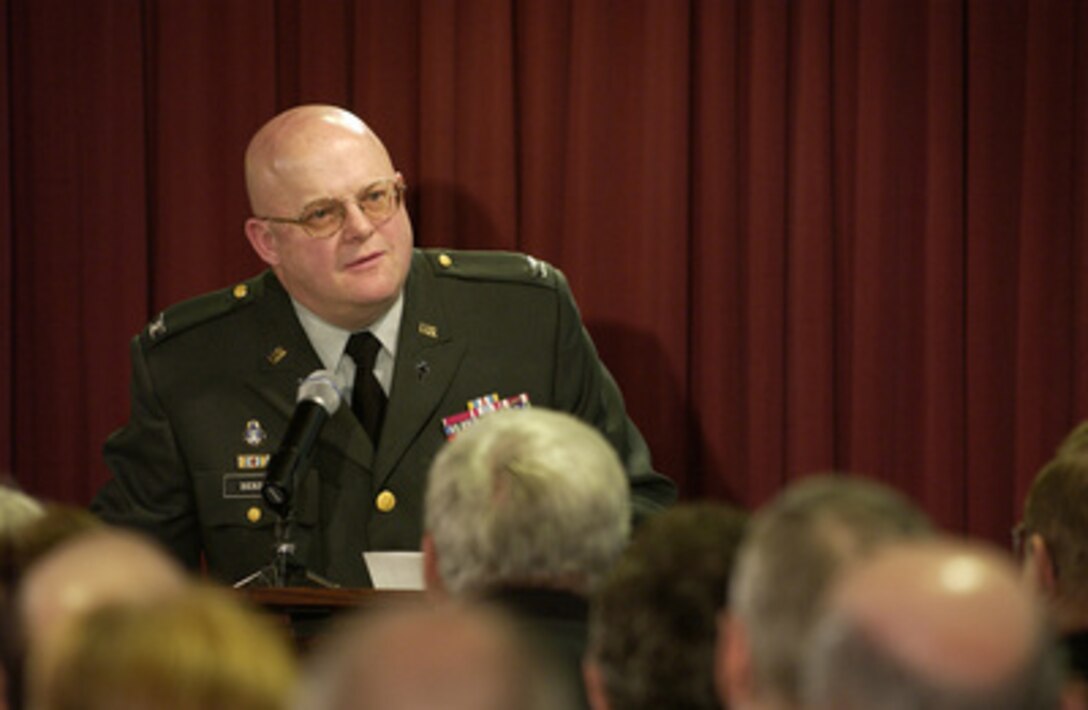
(364, 260)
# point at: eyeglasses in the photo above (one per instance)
(379, 201)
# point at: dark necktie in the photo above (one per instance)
(368, 398)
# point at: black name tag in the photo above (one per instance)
(242, 485)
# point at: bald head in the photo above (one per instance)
(944, 620)
(92, 569)
(328, 214)
(293, 145)
(451, 656)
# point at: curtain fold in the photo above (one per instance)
(7, 291)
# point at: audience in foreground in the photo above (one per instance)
(528, 509)
(202, 649)
(795, 547)
(16, 510)
(939, 625)
(652, 623)
(446, 655)
(89, 570)
(841, 597)
(24, 545)
(1053, 539)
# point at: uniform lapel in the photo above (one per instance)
(428, 356)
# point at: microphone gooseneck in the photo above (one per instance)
(318, 399)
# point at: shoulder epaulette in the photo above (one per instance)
(491, 265)
(184, 315)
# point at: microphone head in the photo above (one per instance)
(320, 387)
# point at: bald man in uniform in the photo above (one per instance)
(214, 380)
(936, 624)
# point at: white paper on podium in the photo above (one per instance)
(395, 569)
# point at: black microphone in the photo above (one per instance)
(318, 399)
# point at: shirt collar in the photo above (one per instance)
(329, 340)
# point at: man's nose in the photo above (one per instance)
(356, 223)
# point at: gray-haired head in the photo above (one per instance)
(795, 547)
(526, 497)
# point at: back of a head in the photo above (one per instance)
(417, 657)
(652, 626)
(56, 524)
(200, 650)
(933, 625)
(88, 570)
(1056, 508)
(526, 497)
(795, 547)
(16, 509)
(1075, 442)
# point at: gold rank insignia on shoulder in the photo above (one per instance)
(428, 330)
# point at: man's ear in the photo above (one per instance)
(1074, 696)
(432, 579)
(594, 680)
(733, 663)
(1041, 566)
(263, 241)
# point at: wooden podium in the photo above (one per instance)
(307, 611)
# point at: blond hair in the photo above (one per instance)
(202, 649)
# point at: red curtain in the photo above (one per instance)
(805, 234)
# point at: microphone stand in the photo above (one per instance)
(284, 570)
(318, 399)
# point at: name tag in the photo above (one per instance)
(242, 485)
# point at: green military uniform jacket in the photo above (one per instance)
(214, 383)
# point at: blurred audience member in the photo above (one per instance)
(21, 547)
(528, 509)
(795, 547)
(416, 657)
(16, 509)
(55, 525)
(652, 623)
(89, 570)
(1053, 540)
(198, 650)
(83, 573)
(935, 625)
